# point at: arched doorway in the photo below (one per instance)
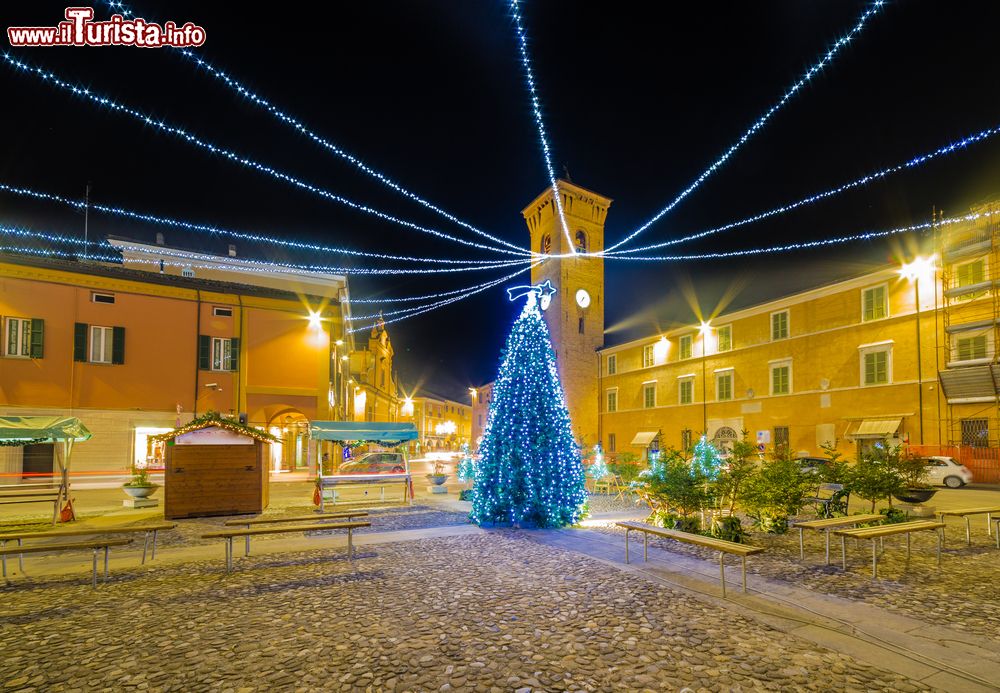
(291, 427)
(724, 439)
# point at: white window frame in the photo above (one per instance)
(681, 341)
(648, 356)
(885, 301)
(224, 345)
(607, 400)
(788, 325)
(222, 311)
(718, 340)
(953, 354)
(103, 294)
(105, 337)
(612, 364)
(986, 273)
(771, 366)
(681, 380)
(23, 338)
(725, 373)
(878, 347)
(649, 386)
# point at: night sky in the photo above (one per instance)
(639, 98)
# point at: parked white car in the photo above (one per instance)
(946, 471)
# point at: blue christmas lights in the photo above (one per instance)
(522, 45)
(301, 128)
(530, 472)
(84, 92)
(864, 180)
(875, 7)
(217, 230)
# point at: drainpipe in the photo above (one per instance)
(197, 344)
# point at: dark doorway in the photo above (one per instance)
(38, 459)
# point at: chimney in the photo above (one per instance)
(232, 250)
(159, 238)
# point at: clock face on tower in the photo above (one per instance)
(582, 298)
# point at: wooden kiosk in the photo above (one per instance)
(215, 466)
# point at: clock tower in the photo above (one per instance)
(575, 316)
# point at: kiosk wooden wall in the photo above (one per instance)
(206, 480)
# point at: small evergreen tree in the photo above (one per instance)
(598, 469)
(530, 469)
(706, 459)
(467, 466)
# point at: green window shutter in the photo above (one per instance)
(118, 345)
(204, 352)
(80, 342)
(234, 345)
(37, 338)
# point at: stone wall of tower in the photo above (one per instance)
(577, 331)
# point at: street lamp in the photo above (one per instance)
(919, 268)
(703, 330)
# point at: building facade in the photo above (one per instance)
(444, 425)
(135, 352)
(575, 316)
(373, 386)
(905, 355)
(482, 397)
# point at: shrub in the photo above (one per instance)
(731, 484)
(627, 467)
(729, 528)
(672, 485)
(876, 476)
(776, 490)
(892, 516)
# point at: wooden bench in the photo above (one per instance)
(830, 523)
(105, 544)
(988, 511)
(883, 531)
(229, 535)
(720, 545)
(250, 523)
(151, 529)
(33, 495)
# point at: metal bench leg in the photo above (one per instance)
(155, 532)
(827, 533)
(55, 509)
(3, 558)
(802, 550)
(229, 554)
(645, 546)
(94, 580)
(968, 531)
(744, 575)
(626, 545)
(874, 559)
(107, 551)
(247, 551)
(145, 543)
(722, 572)
(907, 546)
(350, 545)
(989, 521)
(20, 558)
(940, 535)
(843, 552)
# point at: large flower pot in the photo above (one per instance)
(437, 479)
(915, 495)
(140, 491)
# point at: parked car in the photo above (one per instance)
(946, 471)
(375, 463)
(811, 465)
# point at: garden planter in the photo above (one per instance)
(437, 479)
(915, 496)
(140, 491)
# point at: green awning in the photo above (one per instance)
(41, 429)
(357, 431)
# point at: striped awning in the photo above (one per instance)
(877, 428)
(644, 438)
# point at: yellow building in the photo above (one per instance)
(482, 397)
(443, 424)
(575, 317)
(135, 350)
(373, 386)
(899, 354)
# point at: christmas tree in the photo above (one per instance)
(599, 468)
(529, 470)
(467, 466)
(706, 460)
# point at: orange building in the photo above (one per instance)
(133, 352)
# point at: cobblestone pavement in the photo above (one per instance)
(609, 503)
(491, 612)
(963, 595)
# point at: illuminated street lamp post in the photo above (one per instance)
(920, 267)
(704, 330)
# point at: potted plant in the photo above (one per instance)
(914, 487)
(438, 477)
(139, 486)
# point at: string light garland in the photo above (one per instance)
(217, 230)
(163, 126)
(432, 307)
(196, 260)
(469, 292)
(872, 10)
(522, 45)
(302, 129)
(214, 418)
(916, 161)
(529, 470)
